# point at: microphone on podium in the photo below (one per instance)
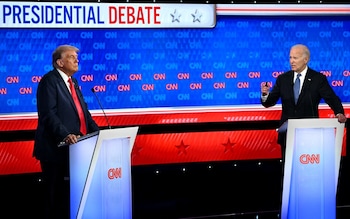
(99, 103)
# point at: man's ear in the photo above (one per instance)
(59, 62)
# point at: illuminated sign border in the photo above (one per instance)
(103, 15)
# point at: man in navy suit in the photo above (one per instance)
(58, 121)
(313, 87)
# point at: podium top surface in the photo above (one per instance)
(92, 134)
(89, 135)
(310, 123)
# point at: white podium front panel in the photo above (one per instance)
(311, 168)
(310, 175)
(80, 156)
(100, 175)
(109, 186)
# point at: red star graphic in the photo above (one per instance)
(228, 146)
(182, 148)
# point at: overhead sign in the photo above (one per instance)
(282, 9)
(103, 15)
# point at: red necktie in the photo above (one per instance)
(78, 106)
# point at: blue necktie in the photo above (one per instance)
(296, 88)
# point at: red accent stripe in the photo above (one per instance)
(329, 10)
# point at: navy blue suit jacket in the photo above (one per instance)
(57, 116)
(315, 88)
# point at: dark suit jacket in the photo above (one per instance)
(58, 116)
(315, 88)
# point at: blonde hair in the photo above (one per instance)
(57, 54)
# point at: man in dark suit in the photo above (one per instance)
(59, 121)
(313, 87)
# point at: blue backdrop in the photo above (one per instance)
(152, 68)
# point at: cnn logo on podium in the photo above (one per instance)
(309, 158)
(115, 173)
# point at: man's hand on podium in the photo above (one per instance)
(341, 118)
(71, 139)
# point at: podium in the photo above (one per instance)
(312, 160)
(100, 175)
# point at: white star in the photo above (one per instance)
(196, 16)
(176, 16)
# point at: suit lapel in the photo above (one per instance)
(306, 85)
(77, 91)
(65, 91)
(290, 84)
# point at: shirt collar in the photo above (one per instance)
(63, 75)
(303, 72)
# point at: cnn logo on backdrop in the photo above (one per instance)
(309, 158)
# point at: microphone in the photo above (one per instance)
(98, 100)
